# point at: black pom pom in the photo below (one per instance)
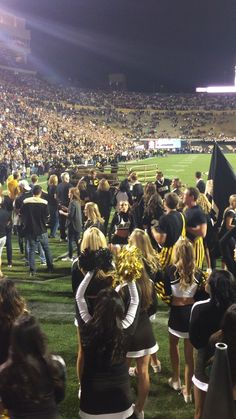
(90, 260)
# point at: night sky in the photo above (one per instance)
(175, 43)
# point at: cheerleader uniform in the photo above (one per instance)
(121, 227)
(169, 289)
(205, 320)
(105, 385)
(143, 341)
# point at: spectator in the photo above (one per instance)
(34, 180)
(123, 194)
(35, 215)
(53, 205)
(104, 201)
(5, 219)
(73, 222)
(153, 209)
(228, 241)
(200, 184)
(11, 306)
(32, 381)
(12, 185)
(25, 192)
(196, 223)
(170, 228)
(63, 202)
(93, 216)
(7, 204)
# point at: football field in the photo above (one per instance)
(50, 299)
(183, 166)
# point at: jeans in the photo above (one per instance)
(33, 245)
(73, 236)
(41, 253)
(2, 244)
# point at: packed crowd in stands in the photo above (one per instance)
(42, 123)
(159, 243)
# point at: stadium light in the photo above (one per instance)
(219, 89)
(216, 89)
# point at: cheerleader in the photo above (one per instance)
(105, 386)
(178, 288)
(94, 255)
(122, 224)
(150, 257)
(143, 343)
(206, 319)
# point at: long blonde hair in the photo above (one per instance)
(93, 213)
(93, 239)
(53, 180)
(204, 203)
(141, 240)
(103, 185)
(184, 261)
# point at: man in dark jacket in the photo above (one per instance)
(35, 215)
(63, 201)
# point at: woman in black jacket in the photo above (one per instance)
(74, 221)
(103, 198)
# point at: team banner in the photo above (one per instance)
(163, 143)
(221, 182)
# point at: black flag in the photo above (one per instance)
(221, 182)
(219, 403)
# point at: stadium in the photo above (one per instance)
(68, 149)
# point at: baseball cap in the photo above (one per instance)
(25, 185)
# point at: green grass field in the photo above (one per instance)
(50, 300)
(183, 166)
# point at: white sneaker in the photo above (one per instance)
(156, 368)
(139, 415)
(133, 372)
(187, 397)
(67, 259)
(176, 385)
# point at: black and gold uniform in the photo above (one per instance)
(168, 286)
(163, 186)
(194, 217)
(173, 225)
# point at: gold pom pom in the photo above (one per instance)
(129, 264)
